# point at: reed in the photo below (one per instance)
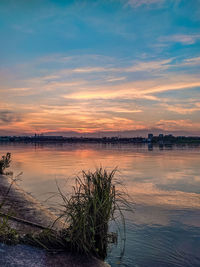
(93, 204)
(8, 235)
(5, 162)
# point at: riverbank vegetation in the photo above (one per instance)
(95, 202)
(5, 162)
(8, 235)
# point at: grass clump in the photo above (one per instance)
(47, 239)
(8, 235)
(5, 162)
(90, 209)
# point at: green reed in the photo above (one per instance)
(89, 210)
(5, 162)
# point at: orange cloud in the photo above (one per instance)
(64, 101)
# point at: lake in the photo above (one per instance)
(163, 183)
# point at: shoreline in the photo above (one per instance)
(22, 205)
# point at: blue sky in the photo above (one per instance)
(90, 66)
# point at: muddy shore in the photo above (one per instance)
(22, 205)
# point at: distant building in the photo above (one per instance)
(150, 137)
(4, 138)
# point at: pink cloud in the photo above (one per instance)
(186, 39)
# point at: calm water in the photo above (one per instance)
(164, 184)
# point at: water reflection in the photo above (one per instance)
(163, 181)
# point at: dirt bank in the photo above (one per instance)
(22, 205)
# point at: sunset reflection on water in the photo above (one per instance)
(164, 185)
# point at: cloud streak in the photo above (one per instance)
(136, 67)
(184, 39)
(9, 117)
(138, 3)
(134, 90)
(101, 98)
(183, 109)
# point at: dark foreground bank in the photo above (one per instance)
(18, 204)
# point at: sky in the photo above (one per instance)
(99, 66)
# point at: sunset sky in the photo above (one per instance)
(99, 66)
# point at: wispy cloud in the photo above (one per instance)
(135, 67)
(115, 79)
(149, 66)
(185, 39)
(181, 124)
(183, 109)
(137, 3)
(134, 90)
(195, 61)
(101, 66)
(60, 102)
(100, 98)
(8, 117)
(90, 69)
